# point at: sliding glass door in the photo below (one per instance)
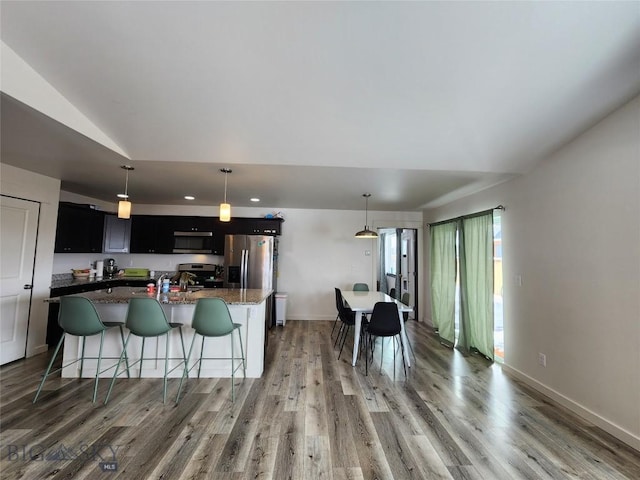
(466, 283)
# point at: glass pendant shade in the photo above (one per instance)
(225, 208)
(225, 212)
(124, 205)
(124, 209)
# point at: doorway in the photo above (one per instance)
(398, 265)
(18, 233)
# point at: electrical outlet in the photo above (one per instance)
(542, 359)
(519, 280)
(367, 253)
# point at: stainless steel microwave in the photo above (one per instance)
(193, 242)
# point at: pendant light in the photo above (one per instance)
(366, 233)
(124, 205)
(225, 208)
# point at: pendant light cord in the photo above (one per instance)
(366, 212)
(225, 187)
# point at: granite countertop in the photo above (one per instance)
(233, 296)
(67, 280)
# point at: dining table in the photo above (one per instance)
(363, 303)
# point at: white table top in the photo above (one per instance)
(364, 301)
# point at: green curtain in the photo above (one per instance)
(443, 279)
(475, 239)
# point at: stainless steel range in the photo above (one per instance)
(206, 275)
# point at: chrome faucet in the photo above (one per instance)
(159, 285)
(160, 279)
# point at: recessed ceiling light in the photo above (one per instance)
(189, 197)
(254, 199)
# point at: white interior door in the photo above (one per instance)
(18, 231)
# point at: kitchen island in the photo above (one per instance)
(247, 307)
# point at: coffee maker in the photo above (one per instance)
(110, 267)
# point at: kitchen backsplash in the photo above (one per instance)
(63, 263)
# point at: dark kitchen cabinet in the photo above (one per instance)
(192, 224)
(80, 229)
(151, 234)
(256, 226)
(264, 226)
(117, 234)
(220, 230)
(243, 226)
(155, 233)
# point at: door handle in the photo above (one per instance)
(28, 287)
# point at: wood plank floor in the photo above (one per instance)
(310, 416)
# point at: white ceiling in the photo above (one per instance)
(313, 103)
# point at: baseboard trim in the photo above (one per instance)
(37, 350)
(620, 433)
(310, 317)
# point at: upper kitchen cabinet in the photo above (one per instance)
(192, 224)
(243, 226)
(80, 229)
(266, 226)
(179, 234)
(220, 230)
(117, 233)
(151, 234)
(257, 226)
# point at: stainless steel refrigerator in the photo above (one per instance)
(249, 261)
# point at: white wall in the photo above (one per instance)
(318, 252)
(571, 229)
(30, 186)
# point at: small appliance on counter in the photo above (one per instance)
(99, 268)
(110, 268)
(136, 272)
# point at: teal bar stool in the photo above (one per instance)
(78, 317)
(145, 319)
(211, 318)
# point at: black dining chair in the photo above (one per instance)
(339, 301)
(384, 322)
(348, 320)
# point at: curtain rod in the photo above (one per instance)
(471, 215)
